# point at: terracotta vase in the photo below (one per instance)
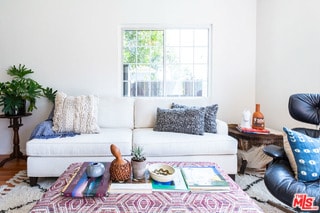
(258, 119)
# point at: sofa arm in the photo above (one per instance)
(222, 127)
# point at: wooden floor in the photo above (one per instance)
(10, 168)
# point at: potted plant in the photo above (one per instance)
(138, 162)
(16, 93)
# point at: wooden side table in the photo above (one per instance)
(248, 141)
(15, 123)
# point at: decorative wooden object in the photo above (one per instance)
(15, 124)
(120, 169)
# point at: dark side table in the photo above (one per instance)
(15, 123)
(247, 142)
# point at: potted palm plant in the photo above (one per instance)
(138, 162)
(21, 89)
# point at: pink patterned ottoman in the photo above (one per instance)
(234, 200)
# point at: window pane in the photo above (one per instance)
(173, 55)
(186, 38)
(186, 55)
(143, 55)
(200, 55)
(174, 88)
(173, 38)
(130, 38)
(200, 71)
(156, 55)
(157, 38)
(143, 37)
(186, 72)
(201, 38)
(129, 55)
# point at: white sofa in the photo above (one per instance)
(127, 121)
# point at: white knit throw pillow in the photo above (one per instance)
(75, 114)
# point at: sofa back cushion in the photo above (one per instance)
(115, 112)
(145, 109)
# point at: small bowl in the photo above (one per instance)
(161, 172)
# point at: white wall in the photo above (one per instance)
(288, 50)
(73, 46)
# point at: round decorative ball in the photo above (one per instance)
(120, 172)
(95, 170)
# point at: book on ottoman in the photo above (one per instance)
(204, 179)
(80, 185)
(131, 186)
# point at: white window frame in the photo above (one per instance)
(165, 27)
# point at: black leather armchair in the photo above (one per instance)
(279, 177)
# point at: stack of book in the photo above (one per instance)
(253, 131)
(131, 186)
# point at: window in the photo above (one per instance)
(165, 62)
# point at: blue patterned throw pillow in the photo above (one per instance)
(189, 120)
(210, 123)
(306, 151)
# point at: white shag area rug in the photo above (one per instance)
(18, 197)
(253, 185)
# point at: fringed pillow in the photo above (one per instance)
(75, 114)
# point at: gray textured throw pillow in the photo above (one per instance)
(183, 120)
(210, 123)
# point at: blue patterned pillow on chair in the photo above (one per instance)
(306, 151)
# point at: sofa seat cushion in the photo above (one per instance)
(83, 145)
(180, 144)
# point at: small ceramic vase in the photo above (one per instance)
(95, 170)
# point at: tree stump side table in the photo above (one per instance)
(250, 145)
(15, 123)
